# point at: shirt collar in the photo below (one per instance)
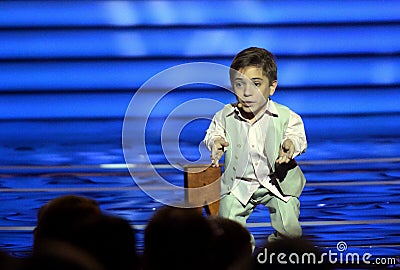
(270, 109)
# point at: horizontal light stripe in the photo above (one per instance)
(66, 75)
(163, 188)
(115, 43)
(332, 222)
(349, 161)
(164, 13)
(256, 224)
(116, 166)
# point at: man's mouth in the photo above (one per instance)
(247, 103)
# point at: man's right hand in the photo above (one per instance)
(217, 151)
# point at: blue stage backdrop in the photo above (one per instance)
(334, 57)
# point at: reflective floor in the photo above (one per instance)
(352, 193)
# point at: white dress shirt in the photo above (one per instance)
(255, 166)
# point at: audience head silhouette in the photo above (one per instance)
(76, 225)
(60, 216)
(178, 238)
(232, 244)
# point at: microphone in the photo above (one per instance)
(243, 113)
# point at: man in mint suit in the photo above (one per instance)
(260, 139)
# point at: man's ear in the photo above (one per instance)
(272, 87)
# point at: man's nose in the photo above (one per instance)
(248, 91)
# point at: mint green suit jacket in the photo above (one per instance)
(278, 129)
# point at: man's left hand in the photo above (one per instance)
(286, 152)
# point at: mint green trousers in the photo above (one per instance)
(284, 215)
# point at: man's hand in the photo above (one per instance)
(217, 151)
(286, 152)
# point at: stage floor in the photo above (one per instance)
(352, 194)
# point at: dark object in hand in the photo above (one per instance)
(281, 171)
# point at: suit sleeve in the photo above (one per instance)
(215, 130)
(296, 133)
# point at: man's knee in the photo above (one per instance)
(286, 218)
(293, 230)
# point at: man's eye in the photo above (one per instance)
(239, 84)
(257, 84)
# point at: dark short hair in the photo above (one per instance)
(257, 57)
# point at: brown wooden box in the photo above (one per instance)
(196, 176)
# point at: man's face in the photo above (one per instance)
(252, 88)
